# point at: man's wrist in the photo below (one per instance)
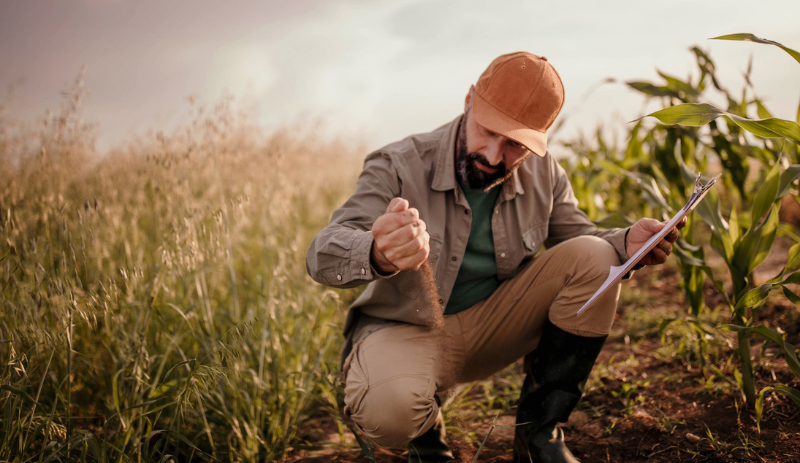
(374, 263)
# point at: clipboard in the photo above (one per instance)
(615, 273)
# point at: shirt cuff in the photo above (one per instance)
(362, 250)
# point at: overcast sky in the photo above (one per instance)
(376, 70)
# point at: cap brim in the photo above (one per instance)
(493, 119)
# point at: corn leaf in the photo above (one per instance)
(699, 114)
(687, 259)
(789, 392)
(788, 177)
(754, 298)
(762, 111)
(774, 336)
(769, 128)
(791, 295)
(768, 231)
(793, 259)
(690, 114)
(652, 90)
(745, 37)
(733, 225)
(679, 86)
(766, 195)
(794, 279)
(760, 405)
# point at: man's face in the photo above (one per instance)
(482, 156)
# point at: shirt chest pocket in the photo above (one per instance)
(534, 238)
(410, 284)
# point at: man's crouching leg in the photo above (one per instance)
(391, 381)
(557, 370)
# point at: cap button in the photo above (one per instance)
(544, 58)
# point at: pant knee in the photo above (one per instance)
(593, 253)
(592, 258)
(394, 412)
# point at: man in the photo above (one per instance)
(474, 200)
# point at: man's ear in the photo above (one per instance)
(468, 98)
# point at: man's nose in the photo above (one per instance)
(494, 150)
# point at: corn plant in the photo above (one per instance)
(744, 247)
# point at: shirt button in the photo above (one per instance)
(502, 254)
(339, 277)
(497, 211)
(454, 258)
(363, 271)
(441, 301)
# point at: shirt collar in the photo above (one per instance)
(444, 176)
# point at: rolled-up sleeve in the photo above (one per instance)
(568, 221)
(339, 255)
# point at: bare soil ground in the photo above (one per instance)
(646, 402)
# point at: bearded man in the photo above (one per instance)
(475, 200)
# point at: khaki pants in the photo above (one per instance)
(393, 375)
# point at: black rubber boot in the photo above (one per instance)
(430, 447)
(556, 373)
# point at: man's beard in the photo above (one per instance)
(469, 172)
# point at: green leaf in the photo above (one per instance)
(766, 195)
(757, 243)
(651, 90)
(789, 392)
(698, 114)
(752, 38)
(679, 86)
(690, 114)
(769, 128)
(662, 327)
(733, 224)
(686, 258)
(788, 176)
(791, 295)
(760, 405)
(774, 336)
(762, 111)
(794, 278)
(754, 298)
(793, 259)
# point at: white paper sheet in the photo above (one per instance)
(616, 273)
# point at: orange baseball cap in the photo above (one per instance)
(519, 96)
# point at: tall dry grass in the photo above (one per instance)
(155, 305)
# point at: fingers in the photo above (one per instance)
(405, 234)
(657, 256)
(651, 225)
(397, 205)
(410, 255)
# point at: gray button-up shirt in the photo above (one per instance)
(536, 207)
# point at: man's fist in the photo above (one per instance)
(642, 230)
(400, 239)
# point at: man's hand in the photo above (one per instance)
(400, 239)
(642, 230)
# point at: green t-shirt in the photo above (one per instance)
(477, 276)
